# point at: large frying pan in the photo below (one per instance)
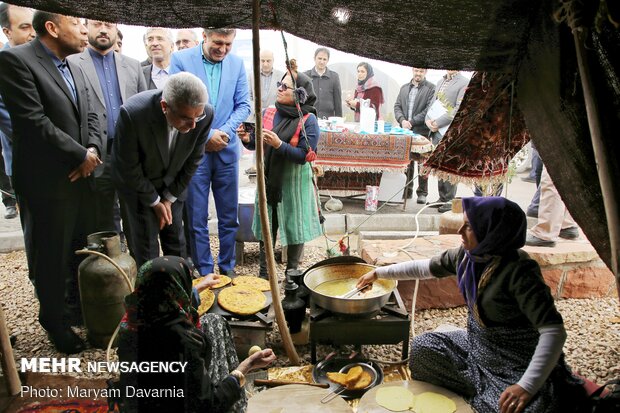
(358, 307)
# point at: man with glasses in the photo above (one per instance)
(225, 77)
(159, 143)
(186, 38)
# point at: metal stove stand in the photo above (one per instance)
(390, 326)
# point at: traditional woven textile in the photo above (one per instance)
(352, 152)
(487, 132)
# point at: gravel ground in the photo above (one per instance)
(593, 325)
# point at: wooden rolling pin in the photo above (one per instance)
(275, 383)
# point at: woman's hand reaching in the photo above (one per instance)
(257, 360)
(368, 278)
(271, 139)
(243, 134)
(514, 399)
(207, 281)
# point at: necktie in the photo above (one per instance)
(66, 74)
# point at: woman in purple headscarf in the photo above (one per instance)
(510, 357)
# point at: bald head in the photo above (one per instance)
(266, 62)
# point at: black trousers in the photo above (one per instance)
(144, 234)
(422, 181)
(5, 185)
(53, 230)
(293, 251)
(108, 216)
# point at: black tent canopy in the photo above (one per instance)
(518, 37)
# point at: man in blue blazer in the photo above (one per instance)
(225, 78)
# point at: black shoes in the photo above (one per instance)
(532, 213)
(445, 207)
(421, 199)
(570, 233)
(66, 341)
(10, 212)
(528, 179)
(533, 241)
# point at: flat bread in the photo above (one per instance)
(395, 398)
(207, 298)
(354, 379)
(224, 280)
(430, 402)
(241, 300)
(251, 281)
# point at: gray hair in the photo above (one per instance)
(167, 32)
(185, 89)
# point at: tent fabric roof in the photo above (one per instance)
(468, 34)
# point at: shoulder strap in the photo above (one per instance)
(270, 113)
(295, 139)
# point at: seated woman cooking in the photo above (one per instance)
(510, 358)
(161, 324)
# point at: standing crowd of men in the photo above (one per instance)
(93, 140)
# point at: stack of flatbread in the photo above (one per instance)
(355, 379)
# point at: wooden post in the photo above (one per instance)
(262, 197)
(602, 157)
(13, 382)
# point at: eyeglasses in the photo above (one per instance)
(283, 86)
(185, 118)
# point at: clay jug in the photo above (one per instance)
(451, 221)
(103, 288)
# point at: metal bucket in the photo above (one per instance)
(357, 307)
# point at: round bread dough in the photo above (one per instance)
(251, 281)
(394, 398)
(429, 402)
(254, 349)
(206, 301)
(241, 300)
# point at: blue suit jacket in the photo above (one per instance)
(233, 101)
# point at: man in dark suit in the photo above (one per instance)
(160, 140)
(112, 78)
(56, 149)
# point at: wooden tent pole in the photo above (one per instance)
(13, 383)
(262, 197)
(602, 157)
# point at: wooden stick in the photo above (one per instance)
(608, 181)
(262, 197)
(13, 382)
(275, 383)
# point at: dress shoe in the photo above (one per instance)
(445, 207)
(10, 212)
(569, 233)
(533, 241)
(528, 179)
(532, 213)
(421, 199)
(66, 341)
(230, 273)
(436, 204)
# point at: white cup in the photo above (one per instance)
(380, 126)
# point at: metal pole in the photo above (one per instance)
(262, 197)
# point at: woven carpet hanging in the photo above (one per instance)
(486, 133)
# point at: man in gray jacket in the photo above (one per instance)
(450, 91)
(326, 85)
(410, 110)
(113, 78)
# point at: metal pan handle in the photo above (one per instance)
(332, 394)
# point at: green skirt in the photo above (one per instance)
(298, 217)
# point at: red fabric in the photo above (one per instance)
(486, 133)
(375, 94)
(270, 114)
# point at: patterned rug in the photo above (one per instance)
(353, 152)
(350, 182)
(487, 132)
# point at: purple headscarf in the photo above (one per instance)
(500, 226)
